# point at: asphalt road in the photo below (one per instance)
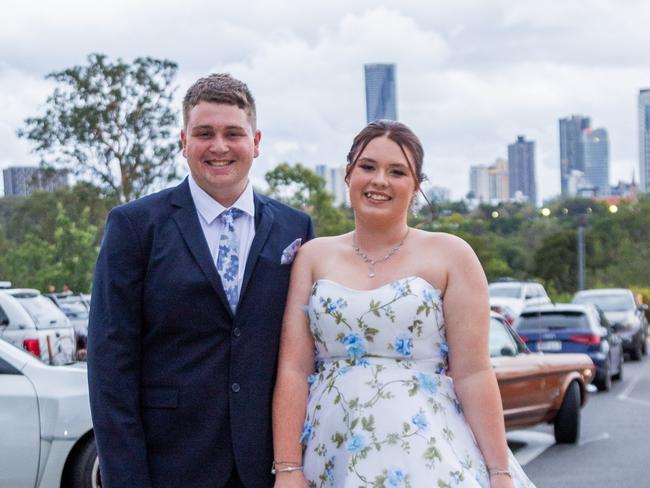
(614, 447)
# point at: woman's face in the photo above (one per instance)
(381, 182)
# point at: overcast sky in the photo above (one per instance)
(471, 74)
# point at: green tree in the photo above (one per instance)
(112, 123)
(300, 187)
(68, 260)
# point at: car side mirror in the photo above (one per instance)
(507, 351)
(642, 307)
(4, 322)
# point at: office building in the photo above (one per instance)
(25, 180)
(521, 171)
(439, 194)
(595, 145)
(335, 183)
(381, 92)
(571, 151)
(489, 183)
(644, 140)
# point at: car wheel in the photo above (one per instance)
(605, 383)
(567, 420)
(619, 375)
(644, 346)
(637, 352)
(83, 469)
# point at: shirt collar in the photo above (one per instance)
(209, 209)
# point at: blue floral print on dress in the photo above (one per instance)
(404, 344)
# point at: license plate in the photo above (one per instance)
(549, 346)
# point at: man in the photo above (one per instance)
(187, 304)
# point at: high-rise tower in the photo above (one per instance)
(521, 170)
(595, 145)
(571, 151)
(644, 139)
(381, 95)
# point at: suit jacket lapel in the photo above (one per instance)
(263, 224)
(187, 220)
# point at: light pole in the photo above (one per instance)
(582, 224)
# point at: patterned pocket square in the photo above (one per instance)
(290, 252)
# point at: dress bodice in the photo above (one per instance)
(401, 320)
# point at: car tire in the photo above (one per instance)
(567, 421)
(637, 352)
(605, 383)
(82, 470)
(644, 346)
(619, 376)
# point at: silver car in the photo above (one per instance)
(32, 322)
(46, 435)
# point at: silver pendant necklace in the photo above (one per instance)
(373, 262)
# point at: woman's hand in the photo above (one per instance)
(293, 479)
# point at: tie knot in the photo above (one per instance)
(228, 216)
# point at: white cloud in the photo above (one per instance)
(471, 74)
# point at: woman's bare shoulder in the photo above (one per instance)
(443, 243)
(316, 247)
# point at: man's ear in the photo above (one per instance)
(183, 142)
(256, 140)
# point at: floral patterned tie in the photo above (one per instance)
(228, 256)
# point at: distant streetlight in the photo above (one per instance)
(613, 208)
(546, 212)
(495, 214)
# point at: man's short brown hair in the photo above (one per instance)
(220, 88)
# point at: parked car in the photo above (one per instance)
(76, 308)
(47, 439)
(539, 388)
(567, 327)
(516, 296)
(628, 318)
(32, 322)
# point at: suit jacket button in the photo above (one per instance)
(235, 387)
(236, 332)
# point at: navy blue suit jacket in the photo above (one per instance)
(180, 389)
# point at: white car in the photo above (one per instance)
(33, 322)
(46, 437)
(516, 296)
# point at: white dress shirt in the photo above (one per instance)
(209, 209)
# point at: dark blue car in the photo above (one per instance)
(574, 328)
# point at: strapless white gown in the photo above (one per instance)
(382, 411)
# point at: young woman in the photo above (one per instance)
(384, 376)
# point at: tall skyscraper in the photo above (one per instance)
(595, 145)
(644, 139)
(490, 183)
(571, 152)
(335, 183)
(381, 94)
(521, 170)
(25, 180)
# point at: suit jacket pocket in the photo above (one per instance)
(159, 397)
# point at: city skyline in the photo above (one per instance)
(472, 74)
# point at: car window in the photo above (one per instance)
(505, 291)
(42, 310)
(552, 320)
(608, 303)
(4, 320)
(501, 342)
(74, 308)
(6, 368)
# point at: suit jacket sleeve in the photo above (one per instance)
(114, 340)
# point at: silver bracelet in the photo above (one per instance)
(288, 469)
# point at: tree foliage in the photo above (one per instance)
(112, 123)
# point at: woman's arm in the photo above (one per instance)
(467, 316)
(295, 364)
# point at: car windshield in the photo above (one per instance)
(552, 320)
(74, 308)
(43, 311)
(500, 339)
(608, 303)
(505, 291)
